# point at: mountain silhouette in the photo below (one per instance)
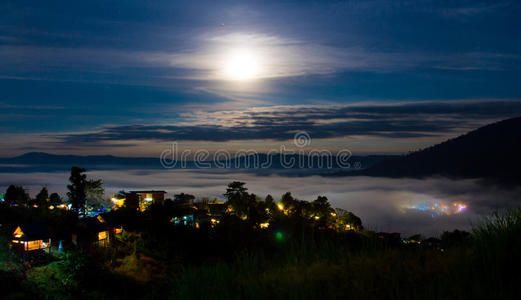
(45, 162)
(492, 151)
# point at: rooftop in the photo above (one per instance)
(147, 192)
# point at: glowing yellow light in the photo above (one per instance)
(280, 206)
(102, 235)
(18, 232)
(34, 245)
(264, 225)
(118, 202)
(51, 207)
(241, 65)
(333, 214)
(317, 217)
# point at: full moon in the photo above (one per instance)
(241, 65)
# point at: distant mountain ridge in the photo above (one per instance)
(41, 161)
(492, 151)
(46, 158)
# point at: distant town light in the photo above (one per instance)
(437, 207)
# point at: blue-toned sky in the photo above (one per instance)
(130, 77)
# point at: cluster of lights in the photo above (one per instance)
(118, 202)
(214, 222)
(439, 208)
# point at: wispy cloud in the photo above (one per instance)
(277, 56)
(30, 107)
(388, 120)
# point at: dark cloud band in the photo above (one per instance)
(402, 120)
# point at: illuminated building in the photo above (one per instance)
(142, 198)
(93, 231)
(30, 237)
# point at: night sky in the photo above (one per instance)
(130, 77)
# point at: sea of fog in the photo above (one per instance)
(410, 206)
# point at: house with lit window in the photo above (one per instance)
(91, 231)
(31, 237)
(111, 223)
(142, 198)
(148, 197)
(119, 199)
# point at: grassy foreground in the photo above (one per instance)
(485, 266)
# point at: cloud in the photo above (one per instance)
(473, 8)
(30, 107)
(205, 59)
(388, 120)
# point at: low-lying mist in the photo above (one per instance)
(426, 206)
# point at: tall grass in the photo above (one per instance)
(497, 253)
(487, 267)
(319, 265)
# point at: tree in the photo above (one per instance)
(235, 189)
(287, 200)
(292, 205)
(42, 197)
(269, 200)
(322, 210)
(269, 203)
(94, 193)
(55, 199)
(238, 198)
(321, 205)
(77, 188)
(256, 210)
(16, 195)
(347, 220)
